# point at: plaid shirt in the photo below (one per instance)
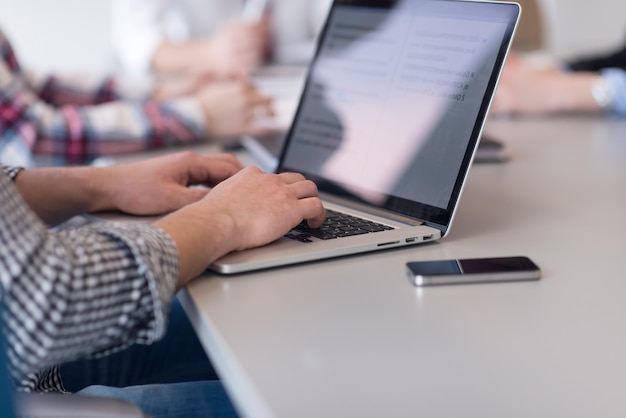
(73, 121)
(78, 292)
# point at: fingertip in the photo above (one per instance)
(319, 218)
(316, 222)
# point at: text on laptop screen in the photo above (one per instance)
(393, 98)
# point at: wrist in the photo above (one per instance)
(574, 93)
(202, 234)
(56, 194)
(100, 187)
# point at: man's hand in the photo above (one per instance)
(263, 207)
(151, 187)
(247, 210)
(525, 89)
(161, 185)
(231, 109)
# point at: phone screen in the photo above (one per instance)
(473, 270)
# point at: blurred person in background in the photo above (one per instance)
(196, 37)
(595, 85)
(63, 120)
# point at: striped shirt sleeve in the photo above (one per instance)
(79, 292)
(65, 124)
(12, 172)
(84, 90)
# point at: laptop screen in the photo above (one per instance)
(395, 100)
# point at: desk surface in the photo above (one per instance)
(352, 337)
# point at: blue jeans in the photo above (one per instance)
(171, 378)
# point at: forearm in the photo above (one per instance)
(57, 194)
(592, 92)
(77, 90)
(572, 93)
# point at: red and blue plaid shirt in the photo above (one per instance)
(56, 121)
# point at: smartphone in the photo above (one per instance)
(474, 270)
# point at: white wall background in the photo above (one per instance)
(74, 34)
(59, 34)
(583, 26)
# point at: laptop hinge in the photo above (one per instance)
(371, 210)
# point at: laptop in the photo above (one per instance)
(388, 124)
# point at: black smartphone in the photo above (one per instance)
(473, 270)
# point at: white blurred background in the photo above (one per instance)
(74, 34)
(59, 34)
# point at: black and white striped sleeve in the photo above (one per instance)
(79, 292)
(12, 172)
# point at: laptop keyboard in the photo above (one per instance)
(336, 225)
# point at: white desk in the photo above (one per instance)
(352, 338)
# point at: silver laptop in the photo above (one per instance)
(388, 123)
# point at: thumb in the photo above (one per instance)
(188, 195)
